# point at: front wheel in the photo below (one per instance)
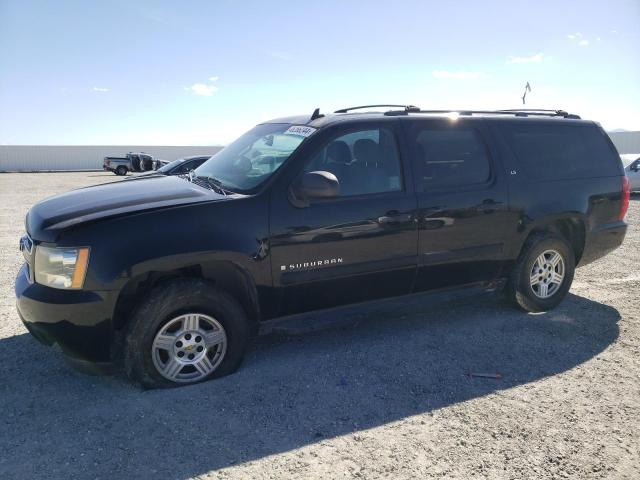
(543, 273)
(185, 332)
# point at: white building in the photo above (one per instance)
(626, 142)
(30, 158)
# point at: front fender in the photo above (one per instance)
(191, 238)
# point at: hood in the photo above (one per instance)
(144, 175)
(47, 218)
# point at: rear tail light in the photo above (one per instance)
(108, 162)
(626, 193)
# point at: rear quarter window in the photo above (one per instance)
(560, 152)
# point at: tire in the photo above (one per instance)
(538, 297)
(175, 304)
(121, 171)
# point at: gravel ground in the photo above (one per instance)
(387, 397)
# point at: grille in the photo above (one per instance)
(26, 247)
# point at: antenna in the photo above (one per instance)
(527, 87)
(316, 114)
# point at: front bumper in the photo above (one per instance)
(602, 240)
(78, 321)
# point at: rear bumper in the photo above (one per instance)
(78, 321)
(602, 240)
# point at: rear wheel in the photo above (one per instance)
(185, 332)
(543, 273)
(121, 170)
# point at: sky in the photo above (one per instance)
(202, 72)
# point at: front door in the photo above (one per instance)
(359, 246)
(462, 202)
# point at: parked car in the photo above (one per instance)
(118, 165)
(160, 163)
(132, 162)
(632, 170)
(313, 212)
(181, 166)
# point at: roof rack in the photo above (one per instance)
(515, 112)
(407, 108)
(542, 111)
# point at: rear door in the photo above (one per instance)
(462, 202)
(359, 246)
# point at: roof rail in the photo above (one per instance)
(407, 108)
(515, 112)
(542, 111)
(527, 110)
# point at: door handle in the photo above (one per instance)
(395, 218)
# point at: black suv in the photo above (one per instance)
(311, 212)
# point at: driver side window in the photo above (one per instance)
(364, 162)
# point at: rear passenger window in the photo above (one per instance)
(555, 152)
(364, 162)
(451, 157)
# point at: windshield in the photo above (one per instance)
(170, 165)
(254, 157)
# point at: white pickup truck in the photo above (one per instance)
(132, 162)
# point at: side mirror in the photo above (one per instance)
(314, 185)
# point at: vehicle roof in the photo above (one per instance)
(497, 116)
(194, 157)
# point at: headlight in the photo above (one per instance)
(61, 267)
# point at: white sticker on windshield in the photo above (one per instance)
(301, 130)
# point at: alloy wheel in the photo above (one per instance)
(189, 348)
(547, 274)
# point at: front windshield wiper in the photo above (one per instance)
(214, 184)
(205, 182)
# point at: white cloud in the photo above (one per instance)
(538, 57)
(203, 89)
(583, 42)
(280, 55)
(460, 75)
(100, 89)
